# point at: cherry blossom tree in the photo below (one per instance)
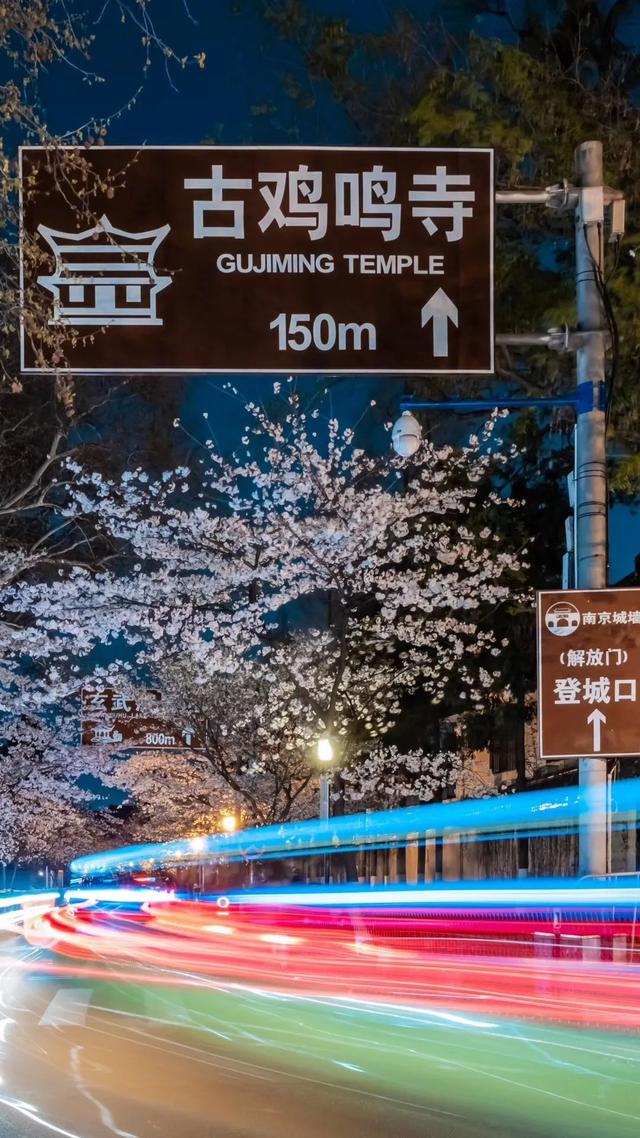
(387, 776)
(170, 794)
(37, 39)
(250, 725)
(47, 811)
(302, 587)
(38, 418)
(44, 808)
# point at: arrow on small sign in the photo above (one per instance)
(440, 309)
(597, 719)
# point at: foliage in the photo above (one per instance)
(45, 811)
(37, 39)
(248, 720)
(386, 777)
(41, 423)
(48, 811)
(44, 420)
(169, 794)
(555, 77)
(312, 590)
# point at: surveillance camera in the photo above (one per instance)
(406, 435)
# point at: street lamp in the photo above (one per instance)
(325, 750)
(326, 754)
(228, 823)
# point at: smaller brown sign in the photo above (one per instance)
(589, 673)
(111, 719)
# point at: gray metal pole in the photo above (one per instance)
(325, 783)
(591, 472)
(523, 197)
(325, 801)
(523, 339)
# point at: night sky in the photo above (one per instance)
(239, 98)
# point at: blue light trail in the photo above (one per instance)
(552, 810)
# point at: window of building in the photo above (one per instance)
(503, 748)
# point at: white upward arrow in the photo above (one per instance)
(440, 309)
(597, 718)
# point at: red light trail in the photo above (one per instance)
(457, 962)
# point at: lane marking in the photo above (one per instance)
(68, 1008)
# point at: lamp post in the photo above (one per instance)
(198, 844)
(326, 754)
(406, 440)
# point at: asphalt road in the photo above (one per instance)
(90, 1052)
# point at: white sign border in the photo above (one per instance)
(571, 593)
(283, 370)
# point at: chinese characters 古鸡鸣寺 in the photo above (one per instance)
(366, 200)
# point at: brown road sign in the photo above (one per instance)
(589, 673)
(268, 259)
(111, 719)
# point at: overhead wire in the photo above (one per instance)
(605, 296)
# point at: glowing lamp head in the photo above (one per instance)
(325, 750)
(406, 435)
(228, 823)
(197, 844)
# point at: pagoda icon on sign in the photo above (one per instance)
(104, 275)
(105, 734)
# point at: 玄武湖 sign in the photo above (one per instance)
(109, 718)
